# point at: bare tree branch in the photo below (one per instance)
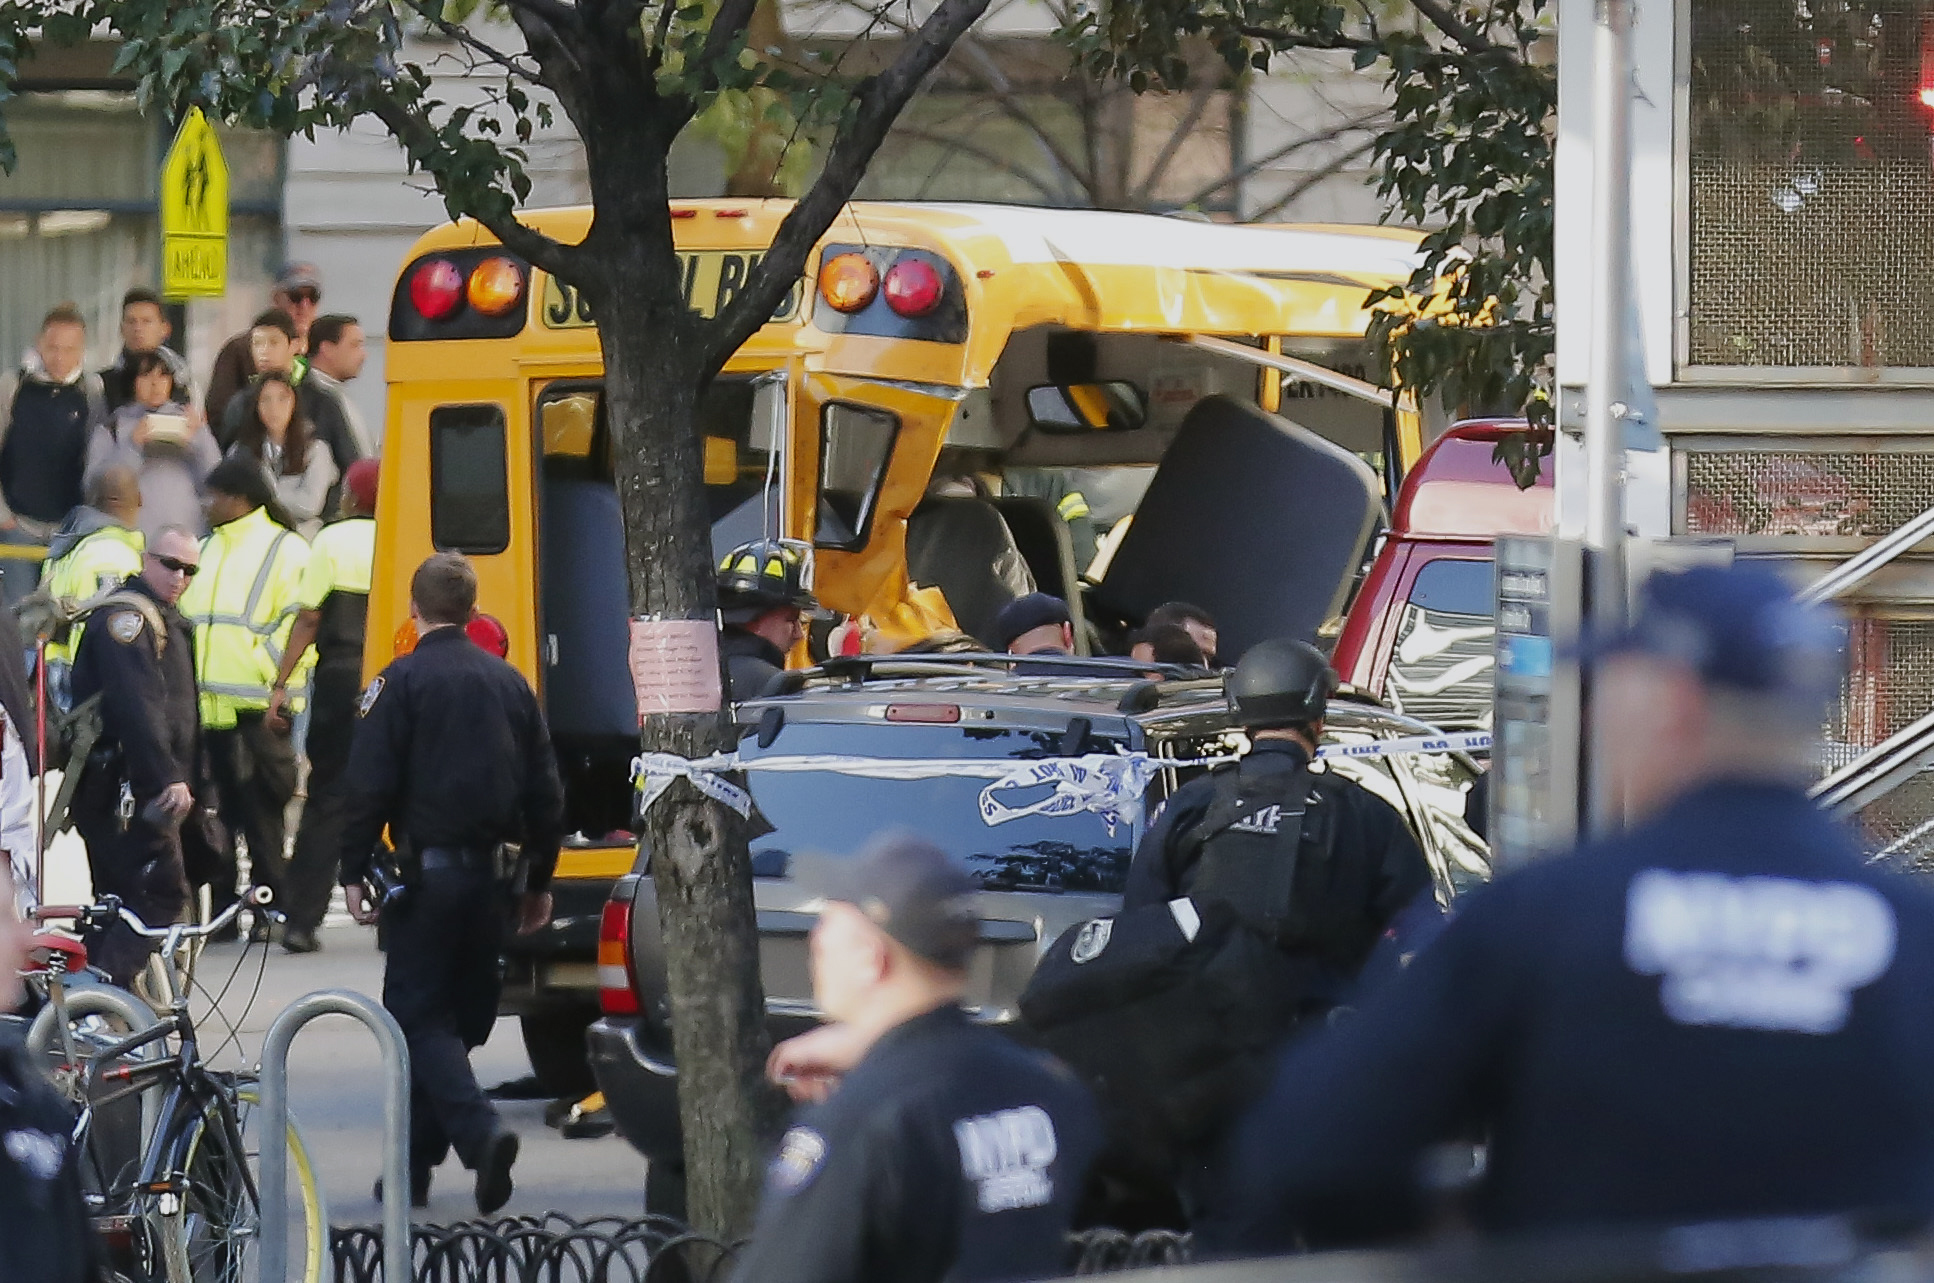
(433, 14)
(1200, 99)
(420, 141)
(560, 16)
(1445, 19)
(1310, 180)
(861, 132)
(1369, 120)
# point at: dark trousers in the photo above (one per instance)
(318, 838)
(140, 863)
(441, 981)
(254, 766)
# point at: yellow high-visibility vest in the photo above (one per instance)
(243, 603)
(98, 563)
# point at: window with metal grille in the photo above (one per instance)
(1811, 189)
(1845, 493)
(469, 483)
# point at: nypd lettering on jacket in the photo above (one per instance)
(1767, 953)
(1007, 1155)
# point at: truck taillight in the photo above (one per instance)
(616, 994)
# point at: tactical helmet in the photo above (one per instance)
(1279, 683)
(767, 574)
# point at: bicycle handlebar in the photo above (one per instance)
(110, 908)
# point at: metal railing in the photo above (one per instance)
(275, 1128)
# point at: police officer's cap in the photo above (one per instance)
(915, 893)
(766, 574)
(1738, 627)
(1279, 683)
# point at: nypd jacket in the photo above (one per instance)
(1357, 869)
(948, 1153)
(149, 712)
(1721, 1013)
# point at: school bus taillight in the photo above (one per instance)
(496, 286)
(913, 287)
(436, 289)
(848, 282)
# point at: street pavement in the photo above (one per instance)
(336, 1080)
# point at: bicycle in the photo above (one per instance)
(187, 1209)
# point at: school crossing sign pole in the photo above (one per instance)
(194, 213)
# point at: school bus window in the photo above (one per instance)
(469, 484)
(854, 446)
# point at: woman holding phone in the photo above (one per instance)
(166, 444)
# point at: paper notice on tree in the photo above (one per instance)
(675, 666)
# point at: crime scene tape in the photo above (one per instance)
(1109, 785)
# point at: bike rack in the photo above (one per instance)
(102, 1000)
(275, 1127)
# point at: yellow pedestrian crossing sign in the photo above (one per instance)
(194, 213)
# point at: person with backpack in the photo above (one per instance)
(95, 550)
(51, 405)
(155, 436)
(144, 772)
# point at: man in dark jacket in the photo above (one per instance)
(1719, 1013)
(765, 590)
(144, 328)
(934, 1148)
(145, 773)
(50, 406)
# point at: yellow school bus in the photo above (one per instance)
(1022, 373)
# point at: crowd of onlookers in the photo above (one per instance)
(275, 396)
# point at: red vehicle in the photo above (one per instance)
(1418, 635)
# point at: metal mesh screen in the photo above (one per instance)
(1889, 684)
(1900, 825)
(1811, 190)
(1773, 492)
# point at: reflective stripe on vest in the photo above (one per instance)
(237, 648)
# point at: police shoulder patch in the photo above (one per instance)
(124, 626)
(368, 700)
(801, 1154)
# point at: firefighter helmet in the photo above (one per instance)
(767, 574)
(1280, 683)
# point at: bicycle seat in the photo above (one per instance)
(50, 947)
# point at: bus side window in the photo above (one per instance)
(854, 446)
(469, 483)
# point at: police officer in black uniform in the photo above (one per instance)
(1311, 862)
(938, 1148)
(765, 589)
(145, 773)
(1719, 1013)
(453, 755)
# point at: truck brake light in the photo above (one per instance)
(617, 995)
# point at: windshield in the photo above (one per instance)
(812, 816)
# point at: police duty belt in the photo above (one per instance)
(1109, 785)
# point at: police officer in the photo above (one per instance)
(1718, 1013)
(341, 563)
(145, 772)
(765, 589)
(937, 1148)
(453, 755)
(243, 607)
(95, 549)
(44, 1217)
(1310, 862)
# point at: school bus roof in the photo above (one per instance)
(1083, 269)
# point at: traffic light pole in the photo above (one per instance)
(1609, 362)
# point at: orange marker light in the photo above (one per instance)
(848, 282)
(496, 286)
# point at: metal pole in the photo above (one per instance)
(275, 1128)
(1605, 409)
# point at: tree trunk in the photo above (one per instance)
(699, 863)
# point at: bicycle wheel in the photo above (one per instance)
(207, 1229)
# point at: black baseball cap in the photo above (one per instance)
(1740, 627)
(1025, 614)
(916, 894)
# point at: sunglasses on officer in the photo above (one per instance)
(175, 565)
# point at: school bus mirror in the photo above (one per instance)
(1076, 409)
(721, 461)
(570, 424)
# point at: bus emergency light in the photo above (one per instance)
(912, 287)
(848, 282)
